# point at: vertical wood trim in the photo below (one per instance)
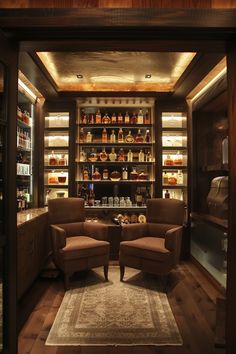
(231, 273)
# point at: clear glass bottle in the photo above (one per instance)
(112, 155)
(126, 119)
(82, 136)
(129, 138)
(96, 176)
(140, 117)
(89, 137)
(168, 161)
(112, 137)
(130, 156)
(139, 138)
(98, 118)
(105, 174)
(120, 118)
(82, 156)
(148, 157)
(122, 201)
(178, 159)
(180, 177)
(53, 159)
(124, 173)
(134, 174)
(141, 156)
(120, 136)
(104, 135)
(103, 155)
(106, 119)
(128, 202)
(113, 118)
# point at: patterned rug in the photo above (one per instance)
(133, 312)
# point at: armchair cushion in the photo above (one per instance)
(133, 231)
(146, 247)
(83, 246)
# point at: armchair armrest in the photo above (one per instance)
(58, 236)
(96, 230)
(173, 238)
(133, 231)
(72, 228)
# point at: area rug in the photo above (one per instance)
(133, 312)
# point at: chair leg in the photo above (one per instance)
(106, 272)
(66, 281)
(122, 272)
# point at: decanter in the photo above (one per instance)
(139, 137)
(112, 155)
(106, 119)
(96, 176)
(53, 159)
(129, 138)
(134, 174)
(103, 155)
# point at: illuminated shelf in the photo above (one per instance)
(114, 163)
(116, 144)
(123, 125)
(114, 182)
(107, 207)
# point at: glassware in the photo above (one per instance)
(126, 119)
(105, 174)
(113, 118)
(130, 156)
(122, 201)
(103, 155)
(168, 161)
(116, 201)
(82, 136)
(128, 202)
(112, 137)
(98, 117)
(62, 160)
(82, 156)
(121, 155)
(62, 178)
(124, 173)
(53, 159)
(139, 138)
(120, 118)
(93, 156)
(148, 157)
(180, 177)
(89, 137)
(104, 201)
(140, 117)
(178, 160)
(134, 174)
(96, 176)
(112, 155)
(120, 136)
(141, 156)
(106, 119)
(147, 136)
(146, 117)
(110, 201)
(115, 176)
(104, 135)
(86, 174)
(133, 119)
(167, 194)
(172, 180)
(129, 138)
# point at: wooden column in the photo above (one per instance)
(231, 272)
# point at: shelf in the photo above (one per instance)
(173, 129)
(116, 144)
(134, 163)
(61, 167)
(179, 167)
(211, 219)
(52, 148)
(135, 207)
(23, 125)
(178, 148)
(20, 148)
(65, 186)
(176, 186)
(115, 182)
(57, 129)
(114, 125)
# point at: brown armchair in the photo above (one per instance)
(76, 244)
(154, 247)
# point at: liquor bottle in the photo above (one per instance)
(180, 177)
(91, 118)
(140, 117)
(86, 174)
(103, 155)
(168, 161)
(120, 118)
(129, 138)
(147, 136)
(133, 119)
(105, 174)
(96, 176)
(130, 156)
(138, 197)
(141, 156)
(84, 119)
(178, 160)
(167, 194)
(139, 137)
(84, 193)
(106, 119)
(89, 137)
(93, 156)
(98, 118)
(112, 155)
(146, 117)
(113, 118)
(53, 159)
(172, 180)
(104, 135)
(82, 156)
(148, 157)
(62, 160)
(121, 155)
(124, 173)
(112, 137)
(147, 195)
(165, 178)
(120, 136)
(134, 174)
(91, 198)
(126, 119)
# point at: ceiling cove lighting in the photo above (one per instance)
(209, 84)
(26, 88)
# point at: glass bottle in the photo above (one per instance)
(124, 173)
(62, 160)
(134, 174)
(165, 178)
(91, 118)
(112, 137)
(126, 119)
(172, 180)
(53, 159)
(146, 117)
(168, 161)
(133, 119)
(122, 202)
(104, 135)
(91, 198)
(147, 136)
(147, 195)
(138, 197)
(120, 136)
(148, 157)
(96, 176)
(130, 156)
(103, 155)
(178, 160)
(167, 194)
(82, 156)
(86, 174)
(89, 137)
(180, 177)
(128, 202)
(84, 119)
(93, 156)
(112, 155)
(98, 118)
(82, 136)
(129, 138)
(121, 155)
(105, 174)
(141, 156)
(140, 117)
(120, 118)
(113, 118)
(106, 119)
(139, 137)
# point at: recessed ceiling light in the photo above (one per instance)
(79, 76)
(148, 76)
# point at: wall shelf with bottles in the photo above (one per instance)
(174, 155)
(56, 155)
(24, 120)
(115, 151)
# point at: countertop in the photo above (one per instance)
(29, 214)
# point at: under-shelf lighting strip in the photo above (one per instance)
(26, 88)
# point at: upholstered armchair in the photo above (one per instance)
(76, 244)
(154, 247)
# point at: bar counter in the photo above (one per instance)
(29, 214)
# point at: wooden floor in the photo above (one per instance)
(191, 296)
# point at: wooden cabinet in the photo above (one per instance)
(33, 248)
